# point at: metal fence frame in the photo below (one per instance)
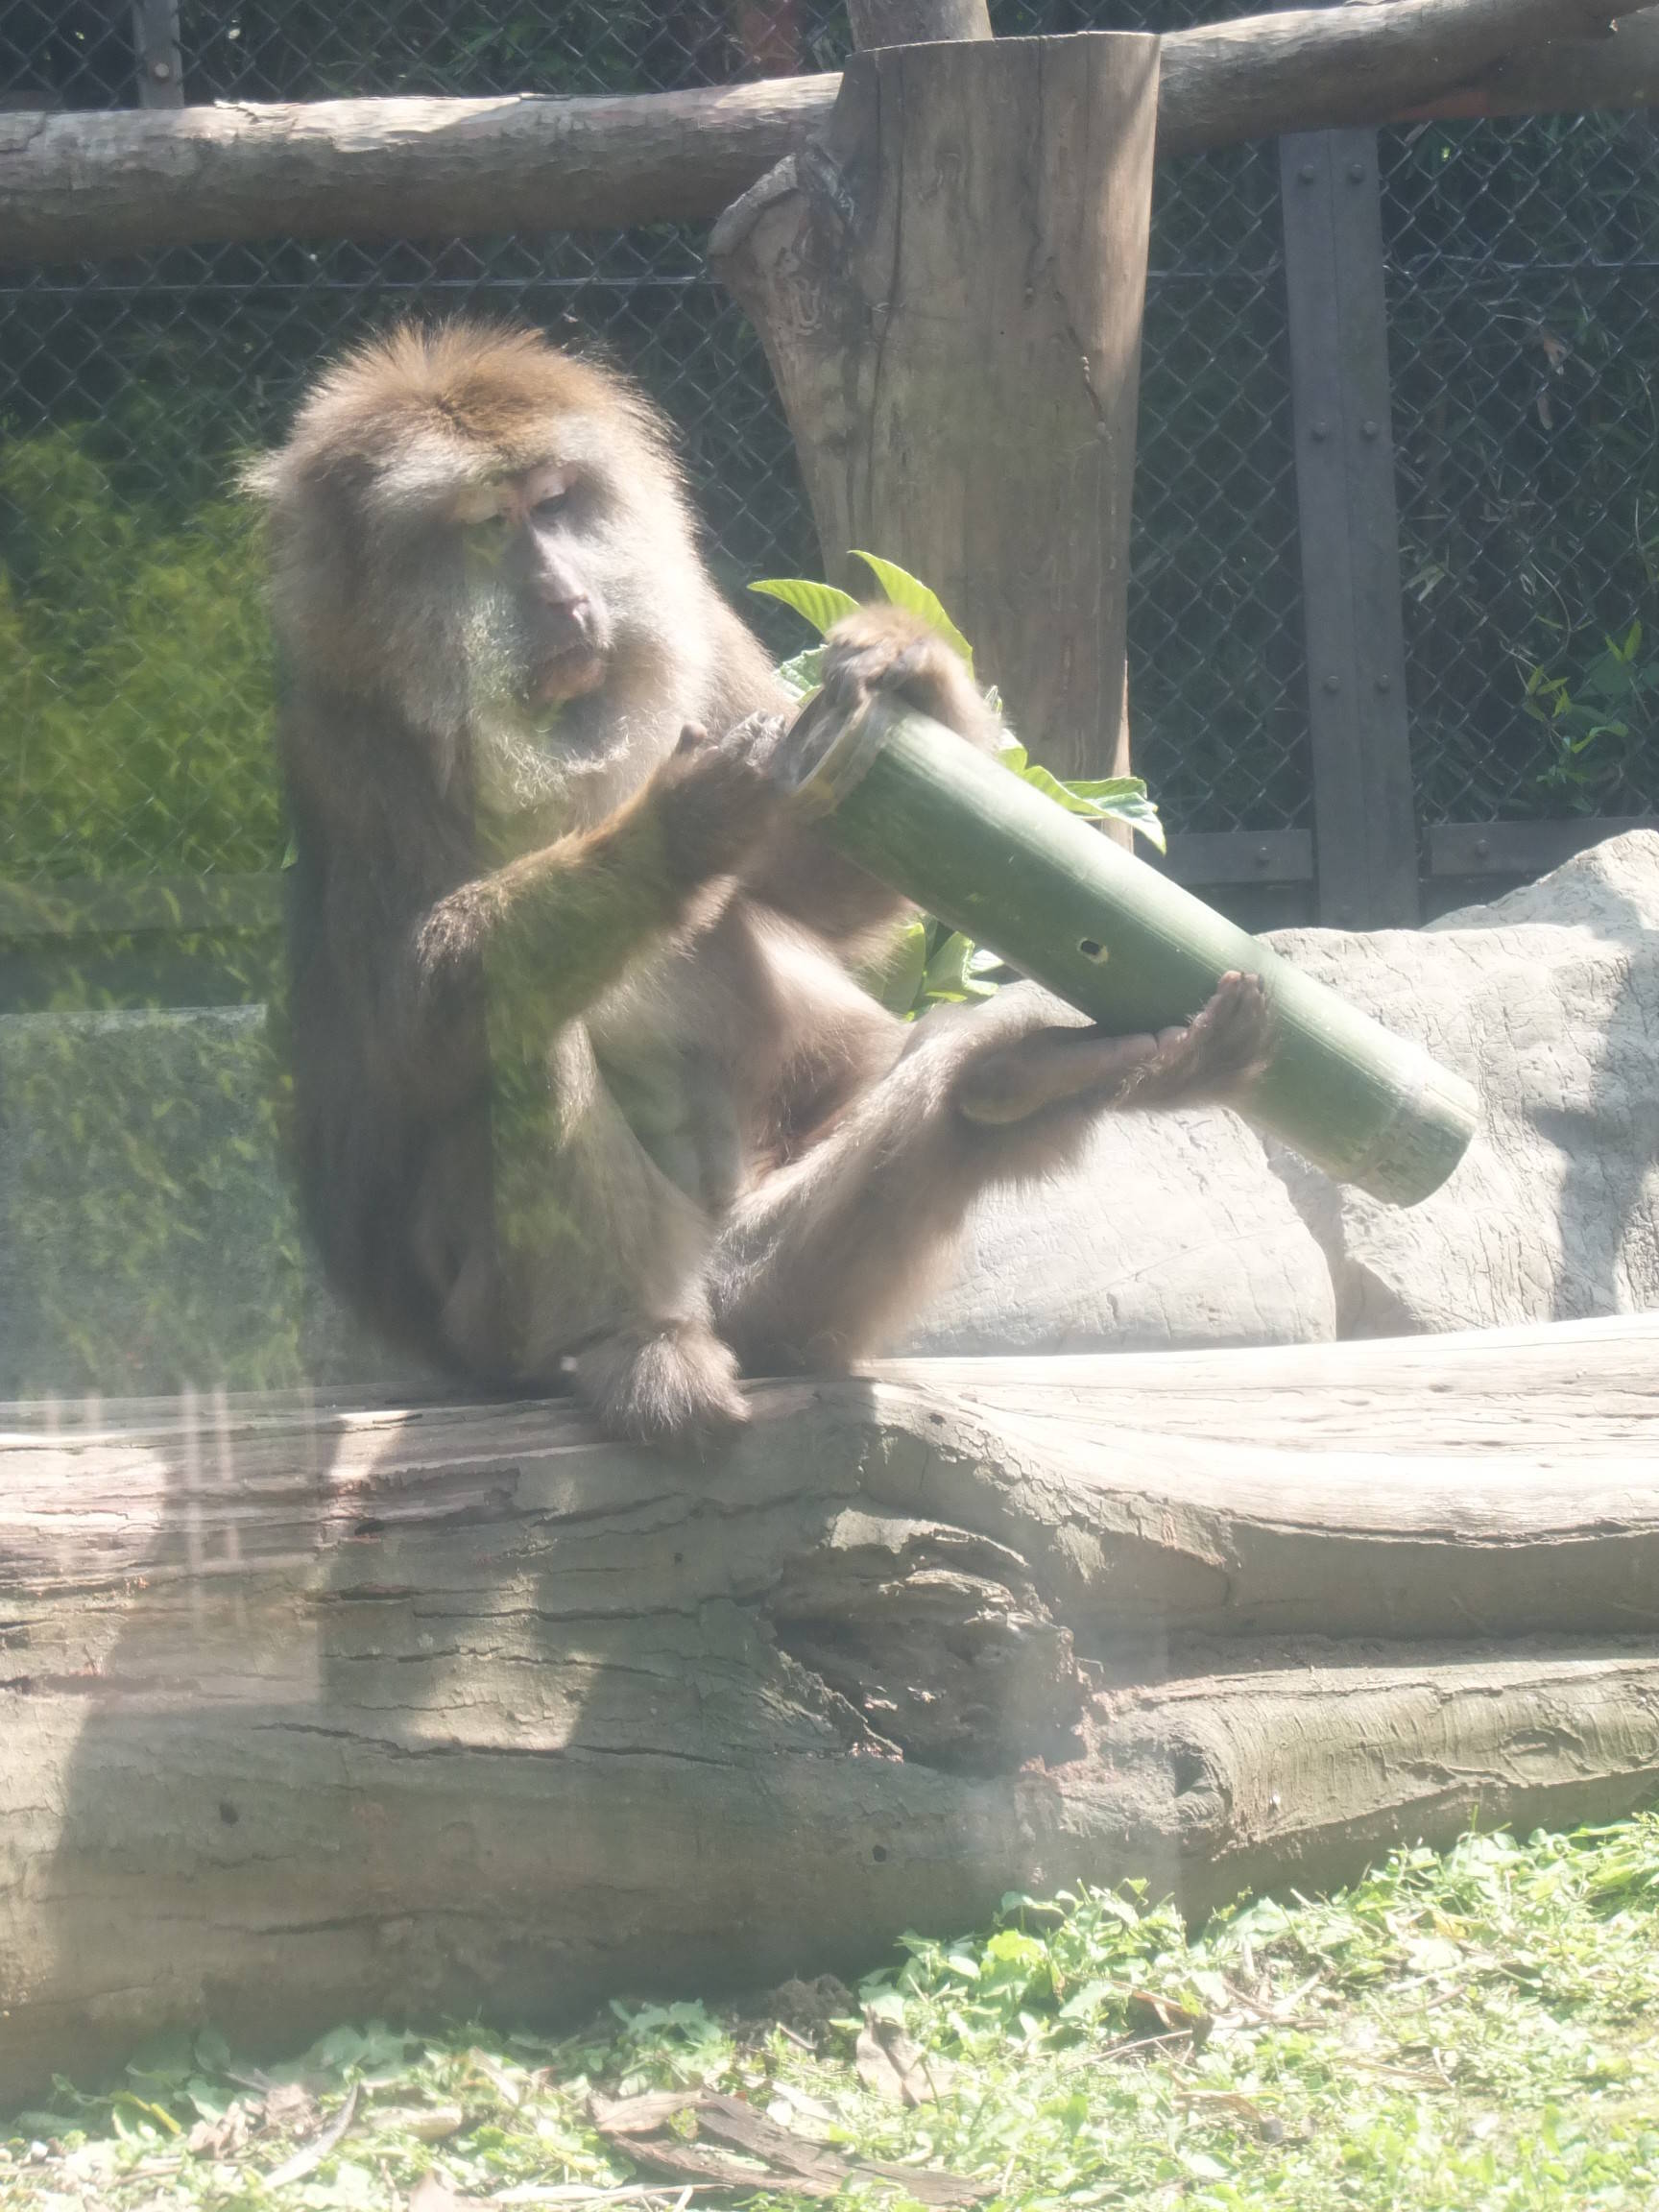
(1347, 847)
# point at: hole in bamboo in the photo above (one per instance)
(1091, 949)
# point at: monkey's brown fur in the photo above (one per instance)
(582, 1081)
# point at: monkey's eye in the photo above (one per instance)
(550, 506)
(486, 536)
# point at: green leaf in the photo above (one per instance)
(212, 2052)
(821, 604)
(163, 2119)
(1102, 798)
(909, 591)
(165, 2062)
(802, 673)
(950, 973)
(896, 977)
(1106, 789)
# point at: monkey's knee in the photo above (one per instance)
(671, 1384)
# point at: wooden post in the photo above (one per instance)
(916, 22)
(1366, 840)
(949, 288)
(161, 58)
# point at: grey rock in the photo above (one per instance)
(1548, 1000)
(1185, 1231)
(1170, 1230)
(147, 1240)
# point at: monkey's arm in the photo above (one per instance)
(549, 934)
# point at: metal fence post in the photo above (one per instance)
(161, 58)
(1365, 839)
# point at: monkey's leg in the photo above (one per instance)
(825, 1256)
(602, 1258)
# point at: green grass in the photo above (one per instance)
(1474, 2029)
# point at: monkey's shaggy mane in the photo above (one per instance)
(422, 409)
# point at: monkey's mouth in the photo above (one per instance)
(571, 673)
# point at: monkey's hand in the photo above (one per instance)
(1047, 1068)
(715, 801)
(884, 649)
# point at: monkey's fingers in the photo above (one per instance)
(1050, 1068)
(716, 806)
(755, 740)
(883, 648)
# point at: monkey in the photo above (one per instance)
(586, 1091)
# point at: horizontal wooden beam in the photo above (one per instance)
(1197, 857)
(77, 186)
(1521, 847)
(86, 185)
(1391, 60)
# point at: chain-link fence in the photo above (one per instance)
(1522, 280)
(134, 682)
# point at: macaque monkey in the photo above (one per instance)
(585, 1089)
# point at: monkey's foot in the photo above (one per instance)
(1222, 1047)
(674, 1387)
(1227, 1043)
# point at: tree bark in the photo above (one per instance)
(77, 186)
(316, 1710)
(949, 291)
(84, 186)
(914, 23)
(1263, 74)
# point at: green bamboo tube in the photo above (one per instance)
(926, 812)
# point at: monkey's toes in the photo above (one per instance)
(1237, 1025)
(1226, 1043)
(674, 1388)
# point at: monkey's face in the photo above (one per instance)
(538, 586)
(491, 539)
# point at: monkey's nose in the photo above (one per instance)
(562, 599)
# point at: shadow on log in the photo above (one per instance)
(310, 1711)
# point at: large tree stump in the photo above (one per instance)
(308, 1712)
(949, 289)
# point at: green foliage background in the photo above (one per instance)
(135, 673)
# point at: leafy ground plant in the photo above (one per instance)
(929, 963)
(1473, 2031)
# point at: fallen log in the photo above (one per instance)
(311, 1710)
(84, 185)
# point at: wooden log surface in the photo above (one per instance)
(88, 184)
(308, 1710)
